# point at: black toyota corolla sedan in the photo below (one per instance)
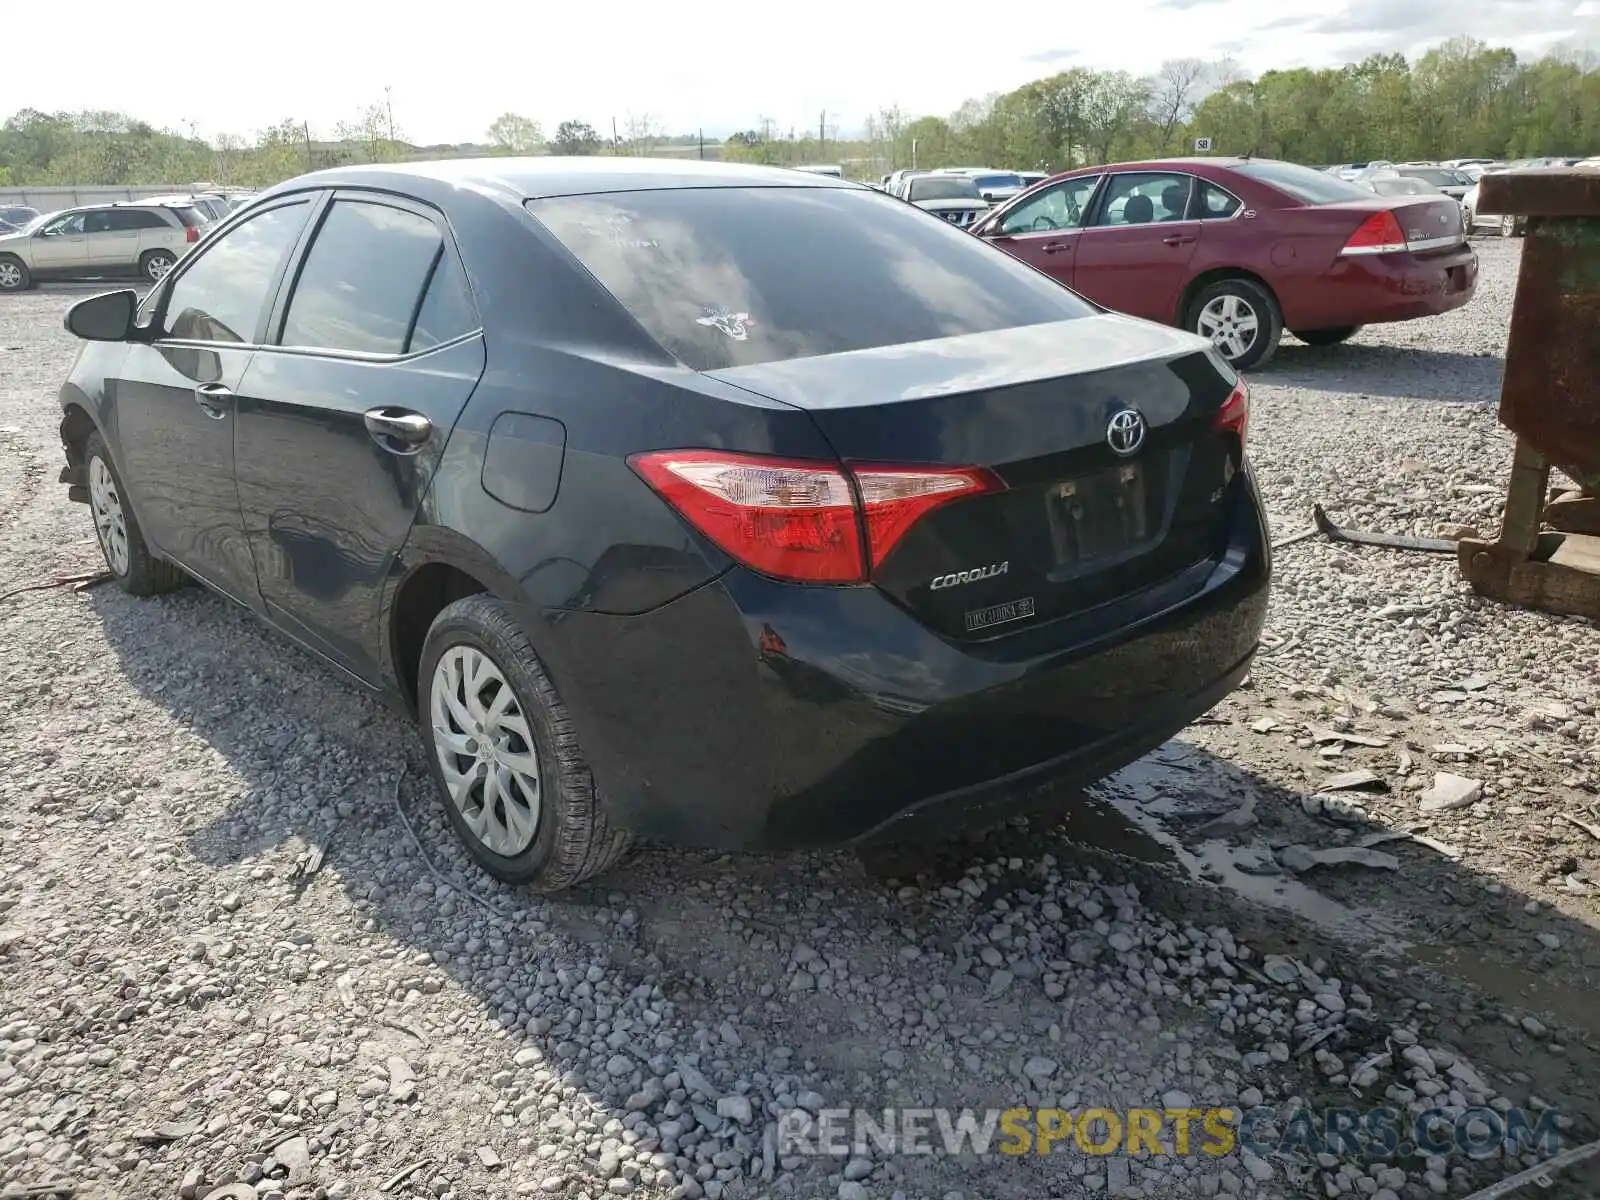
(719, 505)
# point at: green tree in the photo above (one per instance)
(575, 137)
(513, 133)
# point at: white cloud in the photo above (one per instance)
(453, 69)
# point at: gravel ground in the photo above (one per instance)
(238, 945)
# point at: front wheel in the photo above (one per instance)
(1241, 319)
(1327, 337)
(155, 265)
(502, 751)
(1508, 225)
(135, 568)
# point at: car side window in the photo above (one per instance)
(1059, 207)
(1216, 204)
(97, 222)
(362, 280)
(67, 225)
(446, 311)
(1145, 197)
(221, 296)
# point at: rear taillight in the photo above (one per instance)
(1234, 415)
(191, 234)
(1378, 234)
(803, 520)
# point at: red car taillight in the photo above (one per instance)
(1234, 415)
(803, 520)
(1378, 234)
(191, 234)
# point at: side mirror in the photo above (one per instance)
(104, 318)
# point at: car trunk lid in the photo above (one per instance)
(1080, 522)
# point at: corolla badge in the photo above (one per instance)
(735, 324)
(972, 576)
(1126, 431)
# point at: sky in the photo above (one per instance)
(451, 69)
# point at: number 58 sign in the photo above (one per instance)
(1202, 145)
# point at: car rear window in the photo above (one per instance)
(1436, 176)
(724, 277)
(1304, 184)
(943, 187)
(997, 181)
(188, 215)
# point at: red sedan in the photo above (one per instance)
(1239, 249)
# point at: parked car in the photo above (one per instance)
(993, 186)
(955, 198)
(1029, 178)
(1505, 224)
(1451, 182)
(98, 240)
(1241, 249)
(1396, 185)
(17, 215)
(661, 528)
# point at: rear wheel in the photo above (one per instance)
(155, 264)
(501, 748)
(1241, 319)
(135, 568)
(1327, 337)
(14, 276)
(1508, 226)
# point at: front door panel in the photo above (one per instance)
(175, 455)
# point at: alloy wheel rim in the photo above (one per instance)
(158, 266)
(1231, 323)
(110, 523)
(486, 750)
(10, 276)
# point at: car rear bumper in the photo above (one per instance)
(754, 714)
(1373, 289)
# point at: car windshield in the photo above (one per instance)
(997, 181)
(1304, 184)
(699, 269)
(1403, 187)
(943, 187)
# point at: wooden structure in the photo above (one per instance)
(1547, 555)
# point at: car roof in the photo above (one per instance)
(538, 178)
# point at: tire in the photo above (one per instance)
(14, 274)
(154, 264)
(1508, 226)
(132, 564)
(571, 837)
(1327, 337)
(1245, 299)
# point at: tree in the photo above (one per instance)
(575, 137)
(513, 133)
(1174, 92)
(641, 133)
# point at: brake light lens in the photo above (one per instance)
(191, 234)
(1378, 234)
(803, 520)
(1234, 415)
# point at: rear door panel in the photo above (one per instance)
(326, 503)
(1141, 268)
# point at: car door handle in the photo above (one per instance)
(213, 399)
(1055, 247)
(390, 426)
(1178, 239)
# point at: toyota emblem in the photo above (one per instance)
(1125, 433)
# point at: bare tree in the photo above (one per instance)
(1174, 93)
(642, 132)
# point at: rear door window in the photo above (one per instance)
(1144, 197)
(725, 277)
(361, 284)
